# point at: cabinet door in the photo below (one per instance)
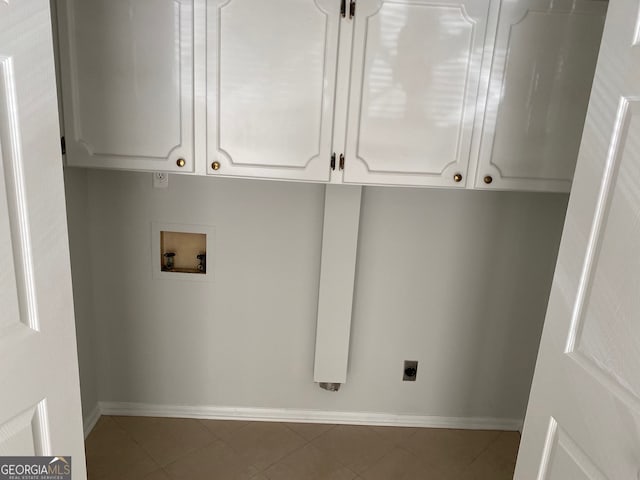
(271, 74)
(127, 70)
(414, 86)
(543, 64)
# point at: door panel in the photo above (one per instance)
(566, 460)
(586, 378)
(271, 87)
(19, 311)
(10, 317)
(40, 403)
(24, 434)
(415, 73)
(612, 342)
(543, 64)
(128, 83)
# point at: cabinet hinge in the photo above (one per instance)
(333, 161)
(343, 8)
(352, 9)
(63, 145)
(341, 162)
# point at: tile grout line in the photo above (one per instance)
(415, 432)
(426, 462)
(369, 467)
(161, 467)
(113, 418)
(331, 427)
(217, 440)
(229, 446)
(358, 476)
(307, 442)
(394, 446)
(484, 450)
(133, 440)
(310, 442)
(263, 470)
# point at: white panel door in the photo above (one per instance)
(583, 420)
(40, 399)
(543, 63)
(128, 83)
(271, 77)
(414, 86)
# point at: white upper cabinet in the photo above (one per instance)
(543, 65)
(448, 93)
(414, 87)
(271, 79)
(128, 90)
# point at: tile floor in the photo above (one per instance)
(142, 448)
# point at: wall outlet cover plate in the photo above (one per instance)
(410, 371)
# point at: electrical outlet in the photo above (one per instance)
(160, 180)
(410, 371)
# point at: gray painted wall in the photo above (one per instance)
(78, 222)
(457, 280)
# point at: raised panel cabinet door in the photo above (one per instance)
(414, 86)
(543, 64)
(127, 72)
(271, 76)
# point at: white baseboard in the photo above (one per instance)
(307, 416)
(91, 420)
